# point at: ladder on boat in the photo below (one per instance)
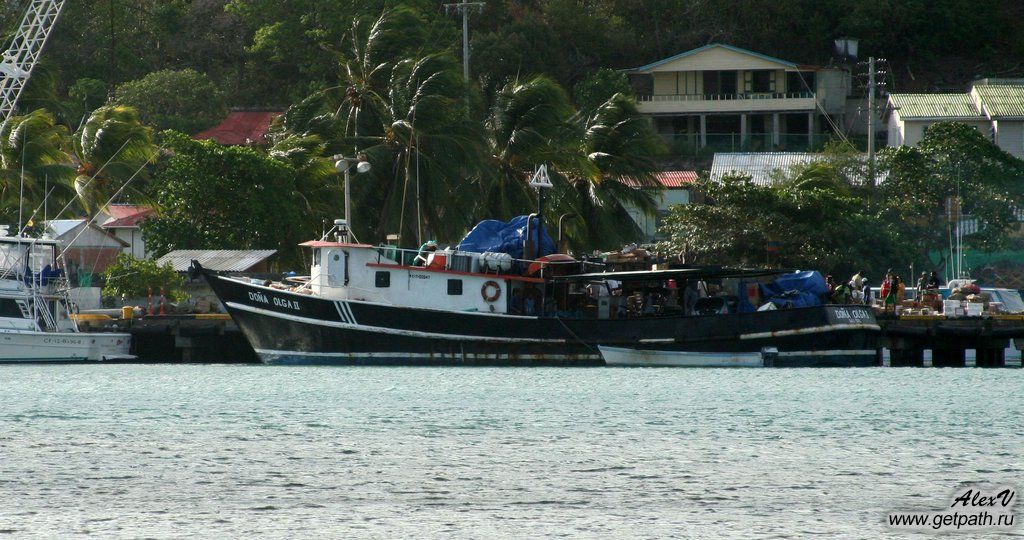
(23, 53)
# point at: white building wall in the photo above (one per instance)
(895, 137)
(715, 59)
(649, 223)
(1010, 136)
(832, 86)
(133, 236)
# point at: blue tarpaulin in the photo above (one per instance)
(500, 237)
(799, 289)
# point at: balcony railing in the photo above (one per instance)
(726, 97)
(689, 144)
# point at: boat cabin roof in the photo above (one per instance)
(27, 240)
(693, 272)
(328, 244)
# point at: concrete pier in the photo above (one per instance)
(209, 339)
(949, 339)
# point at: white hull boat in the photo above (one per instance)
(620, 356)
(27, 346)
(35, 313)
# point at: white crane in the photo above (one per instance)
(21, 56)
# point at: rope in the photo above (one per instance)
(577, 338)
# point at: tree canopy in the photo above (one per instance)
(821, 215)
(224, 197)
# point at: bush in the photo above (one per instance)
(133, 278)
(184, 100)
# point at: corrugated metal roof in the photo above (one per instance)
(668, 179)
(126, 215)
(1001, 100)
(676, 179)
(224, 260)
(762, 167)
(934, 106)
(60, 227)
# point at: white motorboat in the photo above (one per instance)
(620, 356)
(36, 324)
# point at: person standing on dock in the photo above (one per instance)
(867, 296)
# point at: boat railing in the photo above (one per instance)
(501, 264)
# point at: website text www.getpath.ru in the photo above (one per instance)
(972, 509)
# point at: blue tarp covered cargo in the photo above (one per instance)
(500, 237)
(799, 289)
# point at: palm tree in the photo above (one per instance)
(528, 125)
(600, 164)
(619, 147)
(425, 155)
(405, 112)
(316, 182)
(111, 147)
(32, 157)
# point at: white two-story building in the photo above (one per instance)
(726, 98)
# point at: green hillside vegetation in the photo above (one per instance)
(382, 79)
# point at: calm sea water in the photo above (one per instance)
(238, 451)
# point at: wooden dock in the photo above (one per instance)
(909, 336)
(201, 338)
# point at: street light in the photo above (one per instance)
(342, 164)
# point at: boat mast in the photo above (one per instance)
(542, 182)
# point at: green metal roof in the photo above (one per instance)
(1001, 100)
(934, 106)
(712, 46)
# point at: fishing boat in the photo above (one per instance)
(36, 315)
(480, 305)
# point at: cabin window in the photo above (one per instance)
(9, 308)
(454, 287)
(382, 279)
(316, 257)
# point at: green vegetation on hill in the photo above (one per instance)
(275, 52)
(382, 80)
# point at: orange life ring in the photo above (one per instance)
(488, 296)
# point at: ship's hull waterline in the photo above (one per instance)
(290, 328)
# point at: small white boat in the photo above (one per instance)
(620, 356)
(35, 313)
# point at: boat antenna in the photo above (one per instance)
(36, 211)
(419, 214)
(21, 197)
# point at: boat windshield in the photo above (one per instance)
(15, 257)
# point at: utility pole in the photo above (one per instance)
(872, 118)
(464, 7)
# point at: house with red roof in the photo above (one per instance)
(241, 128)
(676, 188)
(122, 221)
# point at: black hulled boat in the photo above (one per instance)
(365, 304)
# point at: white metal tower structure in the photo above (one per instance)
(21, 56)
